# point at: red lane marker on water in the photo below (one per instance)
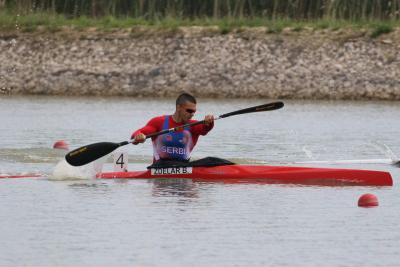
(368, 200)
(61, 144)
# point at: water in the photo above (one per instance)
(86, 222)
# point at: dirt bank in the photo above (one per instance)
(326, 64)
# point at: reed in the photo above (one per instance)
(27, 15)
(216, 9)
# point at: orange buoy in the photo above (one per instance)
(368, 200)
(61, 144)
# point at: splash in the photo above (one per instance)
(386, 150)
(64, 171)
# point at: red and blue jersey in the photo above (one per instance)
(175, 145)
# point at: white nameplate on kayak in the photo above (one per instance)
(171, 171)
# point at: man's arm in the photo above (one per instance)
(152, 126)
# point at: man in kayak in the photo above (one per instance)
(177, 145)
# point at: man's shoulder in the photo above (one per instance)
(157, 119)
(161, 117)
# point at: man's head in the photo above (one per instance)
(185, 106)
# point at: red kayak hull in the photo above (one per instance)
(16, 176)
(265, 174)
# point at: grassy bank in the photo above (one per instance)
(31, 22)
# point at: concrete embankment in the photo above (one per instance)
(308, 64)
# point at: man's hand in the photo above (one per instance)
(208, 120)
(139, 138)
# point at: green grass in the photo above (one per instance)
(53, 22)
(380, 29)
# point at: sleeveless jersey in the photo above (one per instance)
(173, 146)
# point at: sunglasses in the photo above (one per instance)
(191, 111)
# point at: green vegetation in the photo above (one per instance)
(156, 9)
(381, 16)
(380, 29)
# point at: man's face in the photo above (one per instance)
(186, 111)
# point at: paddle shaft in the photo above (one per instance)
(265, 107)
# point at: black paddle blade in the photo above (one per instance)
(265, 107)
(89, 153)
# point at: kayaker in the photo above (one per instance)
(177, 145)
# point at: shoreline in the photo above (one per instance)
(344, 64)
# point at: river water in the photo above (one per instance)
(81, 221)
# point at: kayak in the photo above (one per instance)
(10, 176)
(262, 174)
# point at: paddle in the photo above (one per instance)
(89, 153)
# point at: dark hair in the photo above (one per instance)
(185, 97)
